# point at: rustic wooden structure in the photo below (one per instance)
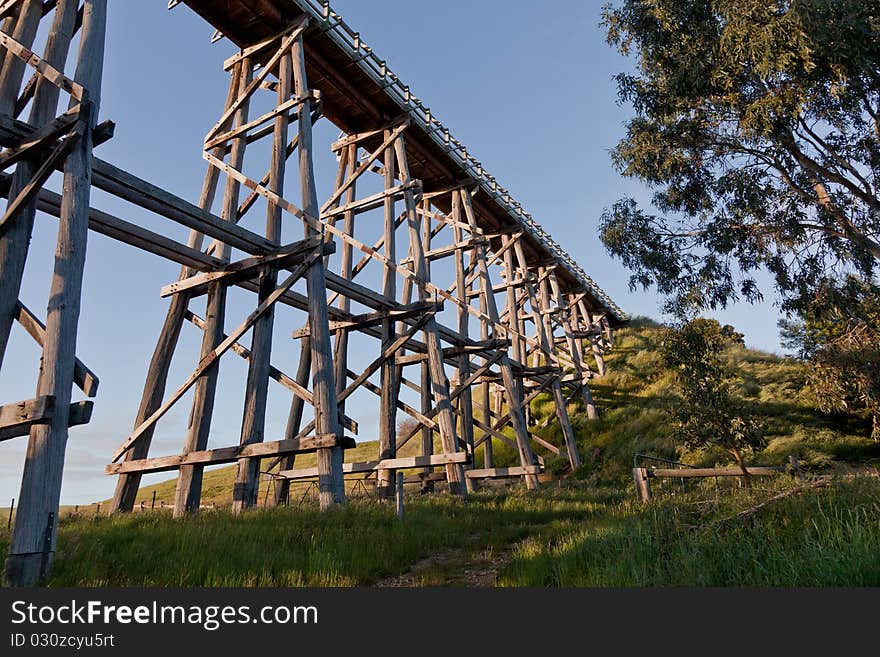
(642, 476)
(479, 362)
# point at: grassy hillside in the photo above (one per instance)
(636, 395)
(586, 530)
(634, 399)
(567, 534)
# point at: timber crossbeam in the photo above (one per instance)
(223, 455)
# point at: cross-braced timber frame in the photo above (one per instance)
(513, 320)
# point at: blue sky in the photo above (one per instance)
(526, 86)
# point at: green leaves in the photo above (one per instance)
(757, 124)
(839, 338)
(709, 412)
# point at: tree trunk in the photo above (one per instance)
(747, 478)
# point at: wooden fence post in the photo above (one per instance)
(399, 491)
(643, 484)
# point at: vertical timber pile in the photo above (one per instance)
(465, 400)
(253, 424)
(506, 362)
(331, 487)
(512, 387)
(389, 375)
(127, 485)
(29, 557)
(15, 241)
(188, 494)
(439, 381)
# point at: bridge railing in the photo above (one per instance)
(377, 69)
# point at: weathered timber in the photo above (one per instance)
(403, 463)
(227, 454)
(30, 551)
(248, 269)
(497, 473)
(79, 413)
(331, 487)
(692, 473)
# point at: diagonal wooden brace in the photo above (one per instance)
(216, 353)
(248, 268)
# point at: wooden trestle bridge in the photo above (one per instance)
(523, 318)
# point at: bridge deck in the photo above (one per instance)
(360, 94)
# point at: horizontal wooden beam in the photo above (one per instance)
(283, 108)
(497, 473)
(404, 463)
(688, 473)
(338, 145)
(229, 454)
(135, 190)
(17, 419)
(44, 138)
(358, 322)
(445, 251)
(519, 282)
(20, 416)
(372, 202)
(475, 348)
(249, 268)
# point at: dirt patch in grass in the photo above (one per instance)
(472, 567)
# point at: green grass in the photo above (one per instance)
(637, 394)
(584, 531)
(571, 534)
(821, 538)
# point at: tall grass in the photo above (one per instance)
(822, 538)
(637, 394)
(354, 545)
(569, 535)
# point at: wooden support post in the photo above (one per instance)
(643, 484)
(389, 375)
(577, 354)
(594, 340)
(348, 164)
(425, 381)
(29, 555)
(247, 477)
(485, 399)
(331, 485)
(512, 389)
(439, 381)
(24, 29)
(399, 495)
(294, 420)
(15, 240)
(574, 458)
(465, 401)
(188, 494)
(540, 305)
(160, 364)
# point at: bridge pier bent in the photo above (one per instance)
(418, 257)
